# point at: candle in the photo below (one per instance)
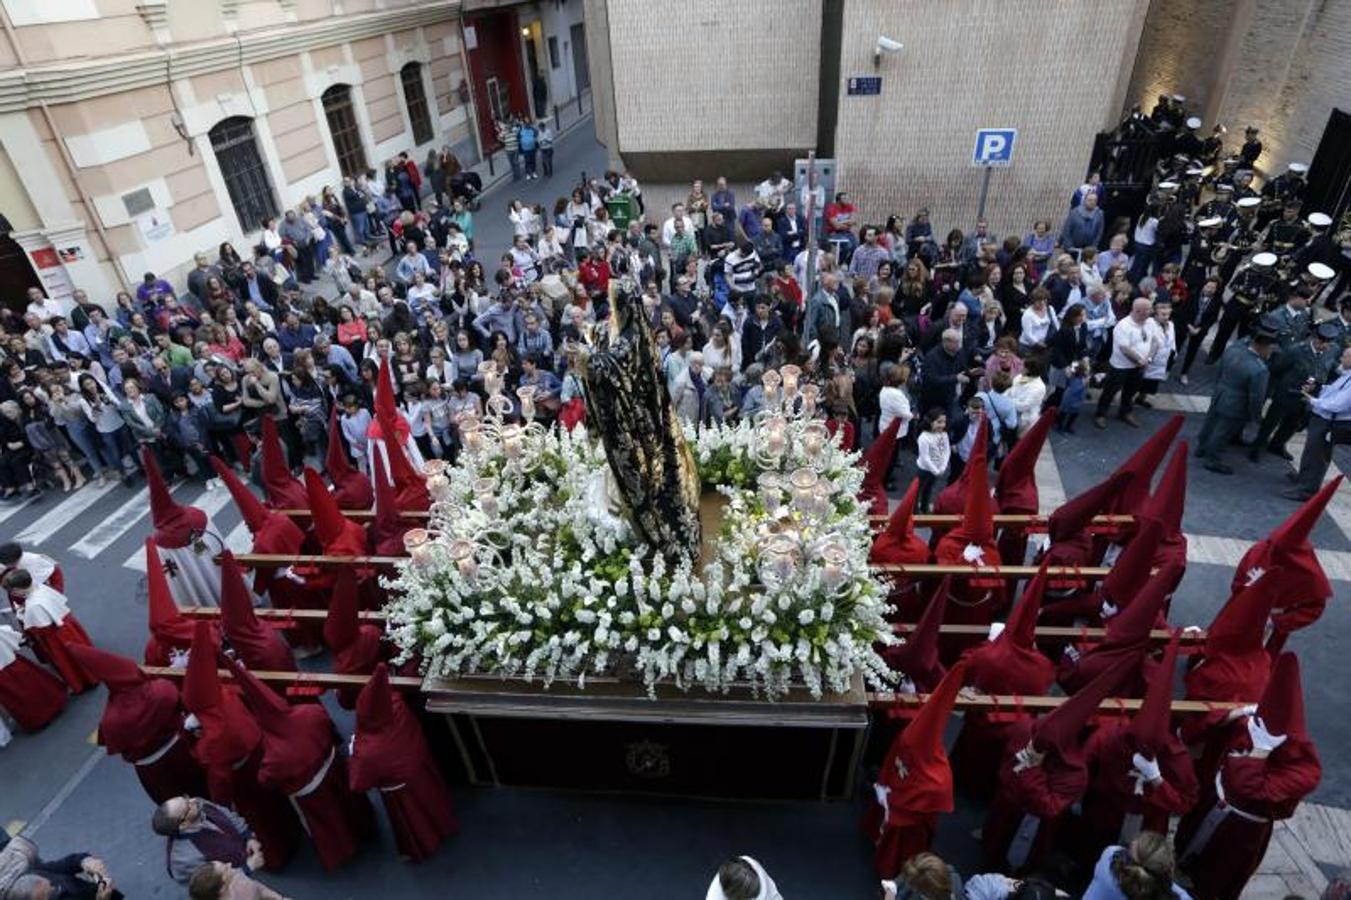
(790, 375)
(417, 541)
(770, 379)
(775, 436)
(485, 489)
(833, 557)
(771, 490)
(804, 483)
(810, 394)
(433, 467)
(461, 553)
(438, 486)
(814, 438)
(499, 406)
(527, 396)
(472, 437)
(511, 441)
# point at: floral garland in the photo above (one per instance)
(524, 572)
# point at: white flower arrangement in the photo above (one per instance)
(543, 584)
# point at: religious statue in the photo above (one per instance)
(629, 408)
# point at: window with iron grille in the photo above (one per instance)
(342, 125)
(241, 165)
(415, 95)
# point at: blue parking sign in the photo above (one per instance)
(994, 147)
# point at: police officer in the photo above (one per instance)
(1240, 391)
(1254, 288)
(1293, 321)
(1329, 425)
(1293, 371)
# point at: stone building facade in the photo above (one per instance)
(134, 133)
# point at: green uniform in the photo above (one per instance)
(1240, 391)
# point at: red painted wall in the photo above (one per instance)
(498, 54)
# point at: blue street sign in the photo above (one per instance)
(864, 85)
(994, 147)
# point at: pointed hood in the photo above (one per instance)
(357, 646)
(972, 542)
(1011, 663)
(229, 730)
(297, 740)
(1150, 724)
(1282, 707)
(1288, 555)
(1127, 639)
(253, 511)
(898, 543)
(952, 498)
(410, 485)
(1131, 572)
(388, 747)
(1141, 467)
(351, 488)
(260, 647)
(338, 535)
(917, 658)
(1234, 665)
(175, 524)
(875, 462)
(1016, 484)
(385, 534)
(283, 490)
(1075, 515)
(1167, 502)
(141, 714)
(169, 628)
(273, 533)
(1062, 728)
(916, 769)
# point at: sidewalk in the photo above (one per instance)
(494, 168)
(1306, 852)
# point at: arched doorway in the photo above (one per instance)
(16, 274)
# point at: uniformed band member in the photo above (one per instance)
(1294, 371)
(1253, 290)
(1286, 235)
(1201, 255)
(1221, 206)
(1242, 236)
(1252, 147)
(1284, 188)
(1213, 146)
(1240, 391)
(1187, 141)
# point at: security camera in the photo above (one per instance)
(885, 45)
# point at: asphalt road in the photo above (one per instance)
(66, 793)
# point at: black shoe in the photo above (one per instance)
(1296, 494)
(1143, 401)
(1218, 467)
(1282, 453)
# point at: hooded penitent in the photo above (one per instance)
(899, 545)
(273, 533)
(282, 489)
(337, 534)
(170, 630)
(1165, 507)
(1140, 467)
(974, 600)
(1011, 663)
(952, 499)
(351, 488)
(917, 658)
(875, 462)
(1068, 527)
(410, 486)
(355, 644)
(1015, 488)
(176, 525)
(1234, 666)
(1288, 555)
(385, 534)
(260, 647)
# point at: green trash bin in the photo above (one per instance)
(620, 208)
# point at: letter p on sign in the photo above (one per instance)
(994, 147)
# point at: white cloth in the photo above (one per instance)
(1129, 335)
(194, 577)
(9, 646)
(43, 607)
(895, 404)
(1164, 338)
(768, 890)
(39, 566)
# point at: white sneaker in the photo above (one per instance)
(1183, 379)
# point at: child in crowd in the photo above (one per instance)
(355, 420)
(436, 412)
(1076, 386)
(933, 455)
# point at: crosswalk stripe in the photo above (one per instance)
(1050, 489)
(1224, 551)
(1187, 403)
(209, 502)
(113, 527)
(7, 512)
(60, 515)
(240, 539)
(1339, 508)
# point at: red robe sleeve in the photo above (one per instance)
(1273, 786)
(1178, 790)
(1039, 791)
(1298, 615)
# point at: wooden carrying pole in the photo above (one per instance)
(1192, 637)
(917, 570)
(877, 701)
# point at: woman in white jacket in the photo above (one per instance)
(1028, 393)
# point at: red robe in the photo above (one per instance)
(144, 726)
(1258, 791)
(390, 753)
(30, 694)
(1037, 797)
(1112, 798)
(52, 642)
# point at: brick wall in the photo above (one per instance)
(1180, 50)
(711, 75)
(1052, 69)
